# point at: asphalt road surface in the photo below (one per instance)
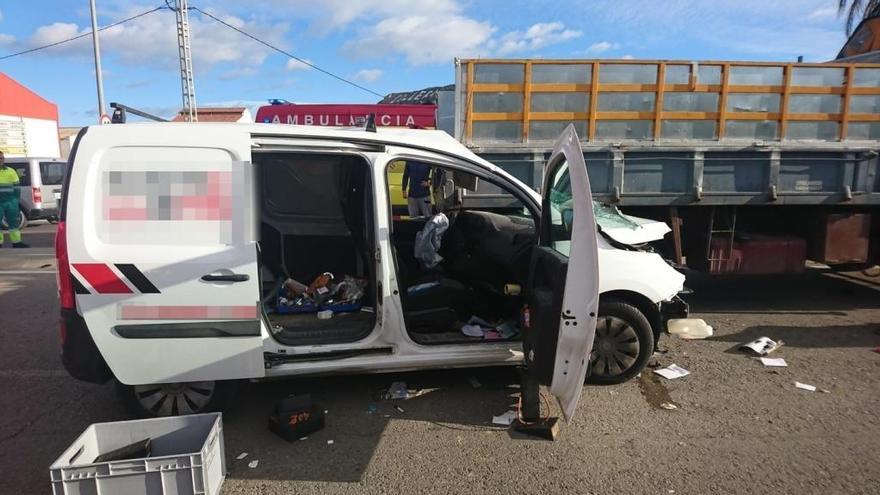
(738, 427)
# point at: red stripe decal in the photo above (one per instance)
(102, 278)
(138, 312)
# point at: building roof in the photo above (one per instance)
(19, 101)
(216, 114)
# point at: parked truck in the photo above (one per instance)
(755, 166)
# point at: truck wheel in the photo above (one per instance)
(174, 399)
(623, 344)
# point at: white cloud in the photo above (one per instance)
(422, 39)
(823, 13)
(152, 40)
(367, 75)
(601, 47)
(627, 57)
(294, 64)
(536, 37)
(330, 15)
(770, 30)
(6, 39)
(1, 16)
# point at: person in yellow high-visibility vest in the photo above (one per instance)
(9, 196)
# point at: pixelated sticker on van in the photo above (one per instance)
(167, 196)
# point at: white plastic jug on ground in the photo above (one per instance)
(689, 328)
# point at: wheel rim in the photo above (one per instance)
(172, 399)
(615, 347)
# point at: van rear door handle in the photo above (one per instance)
(233, 277)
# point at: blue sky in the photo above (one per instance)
(385, 45)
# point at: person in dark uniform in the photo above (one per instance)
(416, 188)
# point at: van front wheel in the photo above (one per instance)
(623, 344)
(174, 399)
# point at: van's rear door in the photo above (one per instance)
(563, 293)
(162, 249)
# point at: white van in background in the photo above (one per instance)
(40, 180)
(176, 242)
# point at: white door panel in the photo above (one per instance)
(148, 223)
(563, 314)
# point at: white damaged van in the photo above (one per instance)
(178, 245)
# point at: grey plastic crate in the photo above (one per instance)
(188, 457)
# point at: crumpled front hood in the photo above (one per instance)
(627, 229)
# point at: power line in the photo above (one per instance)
(288, 54)
(83, 35)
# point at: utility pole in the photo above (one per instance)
(187, 85)
(99, 76)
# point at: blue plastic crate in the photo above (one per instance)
(305, 308)
(343, 308)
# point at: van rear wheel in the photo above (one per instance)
(623, 344)
(174, 399)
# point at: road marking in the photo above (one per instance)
(27, 272)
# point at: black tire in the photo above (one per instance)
(179, 398)
(623, 345)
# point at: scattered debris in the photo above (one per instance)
(303, 438)
(474, 382)
(761, 346)
(296, 416)
(242, 456)
(824, 391)
(372, 408)
(397, 390)
(672, 372)
(505, 419)
(668, 406)
(329, 442)
(689, 328)
(804, 386)
(877, 349)
(399, 409)
(253, 464)
(778, 362)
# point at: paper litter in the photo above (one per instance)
(672, 372)
(804, 386)
(242, 456)
(761, 346)
(504, 419)
(253, 464)
(774, 362)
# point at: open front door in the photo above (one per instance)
(563, 294)
(162, 251)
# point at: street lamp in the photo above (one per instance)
(99, 77)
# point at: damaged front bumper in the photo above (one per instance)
(675, 308)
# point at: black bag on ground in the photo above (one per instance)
(295, 417)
